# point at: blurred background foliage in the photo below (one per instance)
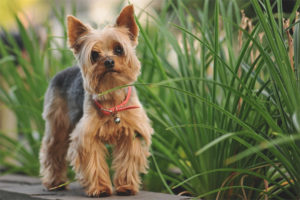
(221, 86)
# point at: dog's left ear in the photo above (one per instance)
(126, 19)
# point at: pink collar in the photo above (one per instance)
(118, 108)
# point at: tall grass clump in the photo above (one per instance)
(226, 113)
(222, 91)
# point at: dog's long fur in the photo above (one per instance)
(77, 130)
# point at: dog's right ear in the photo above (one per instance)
(76, 29)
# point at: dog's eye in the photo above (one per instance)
(118, 50)
(94, 56)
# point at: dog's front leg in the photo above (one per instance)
(130, 159)
(87, 156)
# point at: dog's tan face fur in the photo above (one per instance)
(93, 47)
(77, 130)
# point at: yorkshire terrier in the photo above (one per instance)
(80, 122)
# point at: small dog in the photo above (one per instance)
(79, 122)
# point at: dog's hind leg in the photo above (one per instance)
(53, 165)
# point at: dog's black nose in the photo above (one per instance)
(109, 63)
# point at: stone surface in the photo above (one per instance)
(19, 187)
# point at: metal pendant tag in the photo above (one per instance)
(117, 119)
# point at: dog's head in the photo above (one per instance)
(106, 57)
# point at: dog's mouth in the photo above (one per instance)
(110, 71)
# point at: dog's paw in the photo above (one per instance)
(99, 192)
(126, 190)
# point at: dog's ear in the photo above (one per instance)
(126, 19)
(76, 29)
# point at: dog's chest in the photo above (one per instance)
(111, 129)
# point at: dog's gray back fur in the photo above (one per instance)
(68, 85)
